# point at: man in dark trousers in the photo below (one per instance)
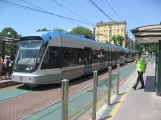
(140, 67)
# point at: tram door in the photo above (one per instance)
(88, 61)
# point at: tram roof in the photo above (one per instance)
(48, 36)
(76, 37)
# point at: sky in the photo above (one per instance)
(135, 12)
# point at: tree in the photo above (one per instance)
(82, 31)
(44, 29)
(9, 32)
(120, 40)
(40, 30)
(114, 39)
(138, 47)
(132, 44)
(60, 30)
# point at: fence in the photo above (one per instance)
(87, 101)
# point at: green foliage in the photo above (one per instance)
(38, 30)
(137, 46)
(82, 31)
(114, 39)
(120, 40)
(9, 32)
(60, 30)
(44, 29)
(132, 44)
(41, 30)
(117, 40)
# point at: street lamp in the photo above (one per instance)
(9, 33)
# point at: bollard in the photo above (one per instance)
(118, 78)
(65, 94)
(95, 84)
(109, 85)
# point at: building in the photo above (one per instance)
(105, 30)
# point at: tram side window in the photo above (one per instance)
(95, 56)
(78, 56)
(112, 55)
(107, 56)
(102, 56)
(68, 57)
(51, 59)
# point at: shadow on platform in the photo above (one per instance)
(150, 84)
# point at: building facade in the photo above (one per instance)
(105, 30)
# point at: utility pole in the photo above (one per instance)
(94, 32)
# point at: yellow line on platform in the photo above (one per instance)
(117, 106)
(87, 106)
(74, 114)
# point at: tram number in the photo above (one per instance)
(87, 70)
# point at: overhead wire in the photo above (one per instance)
(96, 6)
(113, 10)
(37, 10)
(116, 13)
(46, 10)
(72, 11)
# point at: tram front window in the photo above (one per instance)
(27, 55)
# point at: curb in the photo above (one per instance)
(7, 83)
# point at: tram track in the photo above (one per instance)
(43, 96)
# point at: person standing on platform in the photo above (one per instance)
(7, 67)
(140, 67)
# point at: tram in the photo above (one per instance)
(54, 56)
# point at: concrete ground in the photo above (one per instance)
(140, 104)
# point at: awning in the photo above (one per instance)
(147, 34)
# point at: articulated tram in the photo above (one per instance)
(54, 56)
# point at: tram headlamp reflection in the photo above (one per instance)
(29, 68)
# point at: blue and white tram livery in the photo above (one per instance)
(55, 55)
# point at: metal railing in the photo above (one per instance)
(65, 93)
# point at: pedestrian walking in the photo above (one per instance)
(1, 64)
(140, 67)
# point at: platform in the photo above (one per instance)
(6, 83)
(140, 104)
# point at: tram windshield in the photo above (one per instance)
(27, 55)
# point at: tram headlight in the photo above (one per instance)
(29, 68)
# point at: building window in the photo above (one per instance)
(106, 30)
(114, 30)
(106, 36)
(122, 30)
(118, 30)
(110, 31)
